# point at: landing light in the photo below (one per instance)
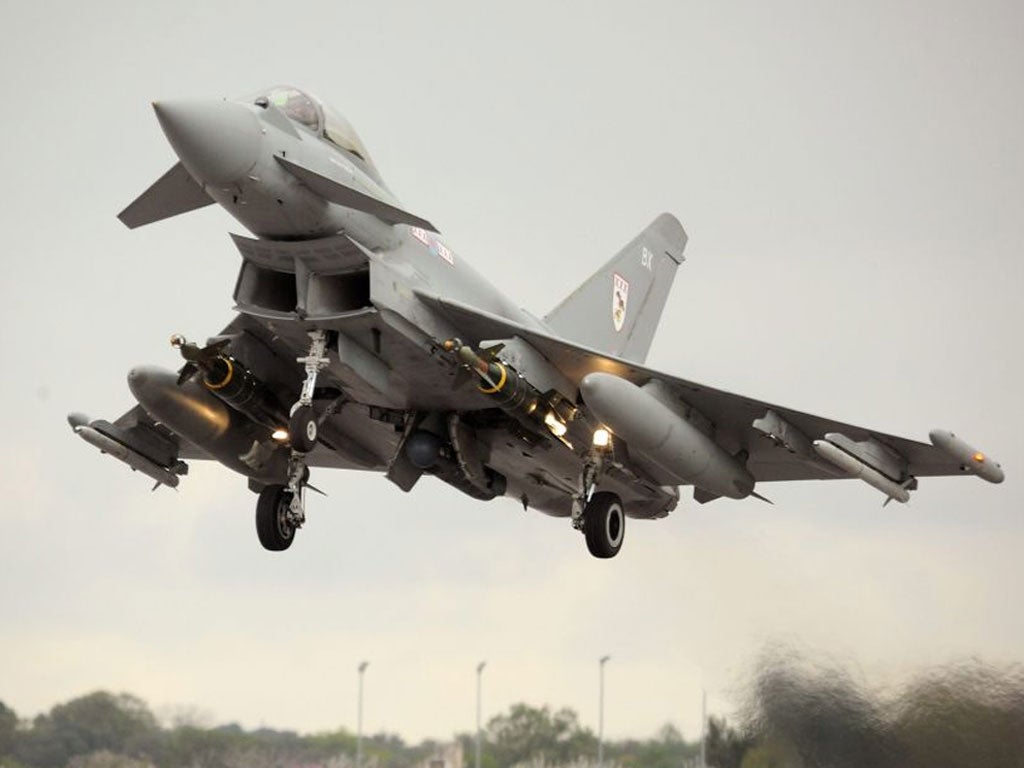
(280, 435)
(556, 425)
(979, 457)
(602, 438)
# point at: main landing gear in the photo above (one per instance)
(600, 516)
(281, 509)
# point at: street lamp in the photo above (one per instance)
(359, 728)
(600, 715)
(479, 686)
(703, 728)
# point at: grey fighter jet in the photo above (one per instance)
(363, 341)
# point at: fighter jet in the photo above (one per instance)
(362, 340)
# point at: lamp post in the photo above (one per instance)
(359, 726)
(703, 728)
(600, 714)
(479, 688)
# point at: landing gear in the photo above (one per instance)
(604, 524)
(275, 523)
(302, 427)
(599, 514)
(281, 509)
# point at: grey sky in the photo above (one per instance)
(851, 176)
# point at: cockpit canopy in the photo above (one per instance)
(312, 113)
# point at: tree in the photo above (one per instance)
(725, 746)
(666, 750)
(105, 759)
(8, 729)
(99, 721)
(528, 733)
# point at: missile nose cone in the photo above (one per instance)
(217, 141)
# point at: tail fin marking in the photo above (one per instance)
(617, 309)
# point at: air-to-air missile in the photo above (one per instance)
(858, 461)
(662, 436)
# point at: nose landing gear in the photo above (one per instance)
(275, 525)
(281, 509)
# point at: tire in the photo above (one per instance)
(302, 429)
(272, 526)
(604, 525)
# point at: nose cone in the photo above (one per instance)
(217, 141)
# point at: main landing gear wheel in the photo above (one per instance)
(302, 429)
(274, 524)
(604, 524)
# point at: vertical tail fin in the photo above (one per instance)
(618, 308)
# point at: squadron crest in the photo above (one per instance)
(620, 298)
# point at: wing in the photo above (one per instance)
(757, 426)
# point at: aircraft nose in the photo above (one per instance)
(217, 141)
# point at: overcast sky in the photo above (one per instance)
(851, 176)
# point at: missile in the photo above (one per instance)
(854, 467)
(191, 411)
(510, 391)
(124, 453)
(654, 430)
(971, 459)
(229, 380)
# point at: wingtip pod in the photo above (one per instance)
(971, 459)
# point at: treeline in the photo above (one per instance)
(104, 730)
(795, 715)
